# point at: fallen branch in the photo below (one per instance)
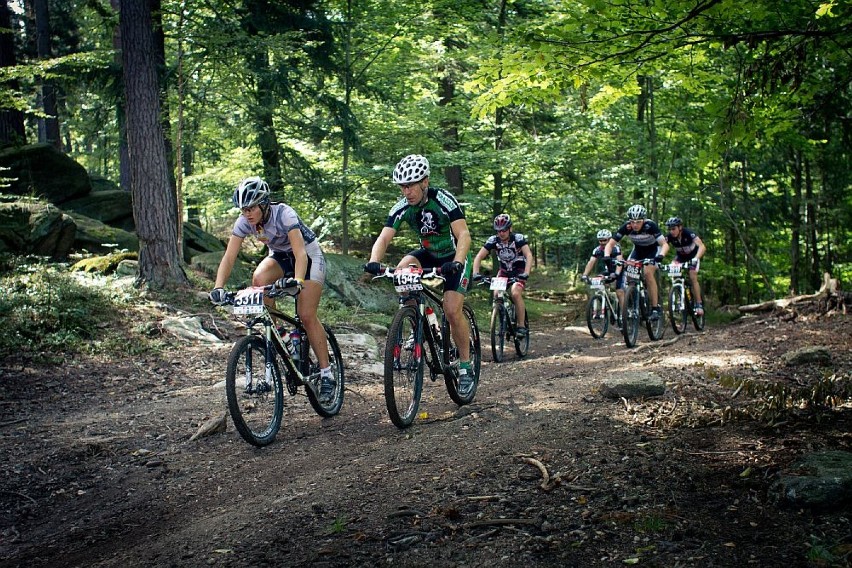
(500, 522)
(657, 344)
(830, 288)
(215, 425)
(546, 483)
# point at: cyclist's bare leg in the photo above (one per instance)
(309, 299)
(619, 293)
(267, 272)
(651, 284)
(696, 288)
(407, 261)
(520, 308)
(453, 303)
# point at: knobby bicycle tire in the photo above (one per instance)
(451, 357)
(677, 309)
(310, 369)
(257, 410)
(522, 344)
(404, 367)
(597, 316)
(697, 321)
(630, 315)
(498, 332)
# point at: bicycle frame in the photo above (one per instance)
(609, 301)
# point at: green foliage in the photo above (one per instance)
(44, 309)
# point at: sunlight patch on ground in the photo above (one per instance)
(719, 359)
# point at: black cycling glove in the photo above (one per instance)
(450, 268)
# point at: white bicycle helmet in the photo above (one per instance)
(251, 191)
(604, 234)
(411, 169)
(674, 222)
(637, 213)
(502, 222)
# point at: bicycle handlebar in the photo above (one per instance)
(270, 291)
(388, 272)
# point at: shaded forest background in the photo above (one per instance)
(734, 116)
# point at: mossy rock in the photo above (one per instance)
(106, 264)
(97, 237)
(42, 170)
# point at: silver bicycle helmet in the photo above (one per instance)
(251, 191)
(502, 222)
(411, 169)
(674, 222)
(637, 213)
(604, 234)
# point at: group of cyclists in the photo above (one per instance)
(649, 243)
(296, 260)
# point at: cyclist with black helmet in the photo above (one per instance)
(611, 271)
(438, 219)
(648, 243)
(295, 259)
(689, 249)
(515, 261)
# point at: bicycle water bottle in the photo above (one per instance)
(433, 321)
(296, 341)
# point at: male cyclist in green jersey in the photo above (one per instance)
(444, 242)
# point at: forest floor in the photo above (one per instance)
(98, 468)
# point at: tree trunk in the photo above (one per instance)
(795, 216)
(48, 126)
(154, 201)
(11, 121)
(811, 228)
(121, 115)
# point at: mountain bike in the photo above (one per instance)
(602, 309)
(681, 304)
(419, 338)
(265, 365)
(637, 308)
(504, 318)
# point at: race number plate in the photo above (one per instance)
(597, 283)
(407, 279)
(674, 269)
(634, 270)
(249, 301)
(499, 283)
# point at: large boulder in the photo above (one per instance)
(345, 280)
(208, 263)
(198, 241)
(94, 236)
(112, 207)
(43, 171)
(35, 227)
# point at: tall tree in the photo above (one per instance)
(48, 125)
(11, 117)
(154, 200)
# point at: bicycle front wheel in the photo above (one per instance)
(254, 390)
(630, 315)
(498, 332)
(597, 318)
(677, 309)
(656, 328)
(451, 358)
(522, 344)
(403, 367)
(697, 321)
(311, 370)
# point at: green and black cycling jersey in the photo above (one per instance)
(432, 221)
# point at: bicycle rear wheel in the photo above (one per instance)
(677, 309)
(498, 332)
(310, 369)
(597, 318)
(451, 358)
(522, 344)
(403, 367)
(630, 315)
(697, 321)
(254, 390)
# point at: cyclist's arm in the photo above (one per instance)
(462, 235)
(589, 266)
(525, 250)
(297, 241)
(381, 244)
(662, 246)
(610, 244)
(480, 256)
(701, 247)
(228, 260)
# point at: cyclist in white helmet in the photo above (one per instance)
(440, 223)
(514, 259)
(611, 271)
(648, 243)
(295, 259)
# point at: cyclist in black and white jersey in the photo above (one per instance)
(515, 259)
(689, 249)
(610, 270)
(648, 243)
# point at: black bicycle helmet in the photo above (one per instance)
(674, 222)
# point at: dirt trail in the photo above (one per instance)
(98, 470)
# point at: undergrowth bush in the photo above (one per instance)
(43, 308)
